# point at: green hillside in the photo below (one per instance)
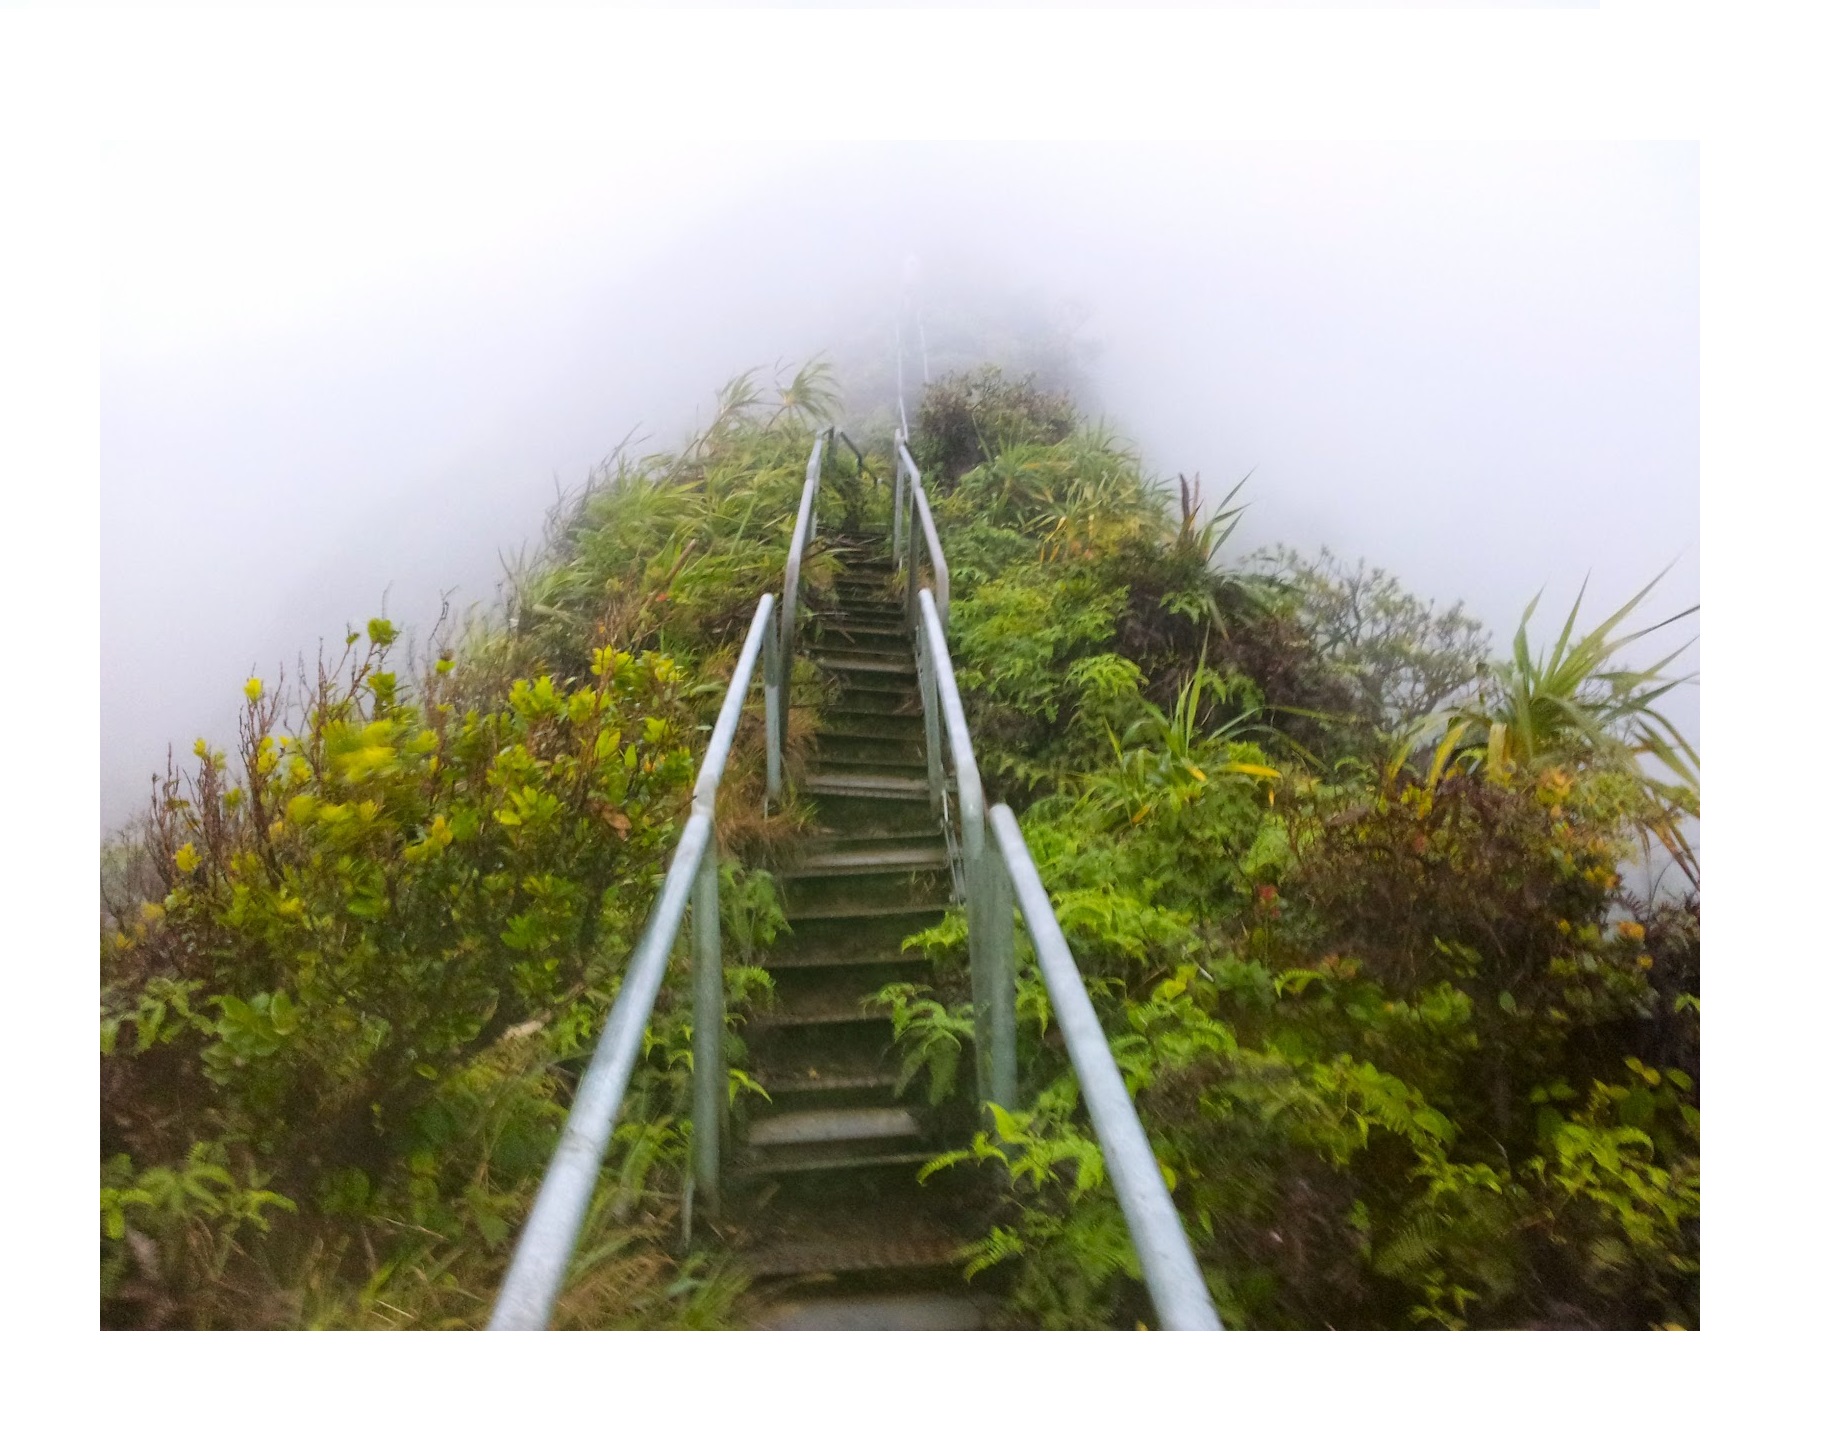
(1344, 884)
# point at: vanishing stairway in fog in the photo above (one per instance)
(820, 1200)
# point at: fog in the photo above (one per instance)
(334, 378)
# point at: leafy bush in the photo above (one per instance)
(1406, 1054)
(349, 979)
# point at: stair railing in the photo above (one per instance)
(997, 870)
(983, 882)
(547, 1243)
(1173, 1280)
(911, 505)
(548, 1240)
(779, 680)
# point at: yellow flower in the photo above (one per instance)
(1629, 930)
(187, 858)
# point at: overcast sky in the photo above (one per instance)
(335, 374)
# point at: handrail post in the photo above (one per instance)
(912, 566)
(708, 1079)
(775, 721)
(804, 532)
(899, 502)
(934, 735)
(990, 913)
(991, 928)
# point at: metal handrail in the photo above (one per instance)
(804, 532)
(996, 872)
(548, 1241)
(1173, 1280)
(983, 886)
(909, 481)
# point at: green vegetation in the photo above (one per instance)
(349, 984)
(1347, 898)
(1345, 891)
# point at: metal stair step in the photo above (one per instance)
(841, 959)
(817, 1082)
(907, 788)
(829, 1126)
(865, 661)
(888, 1313)
(850, 763)
(883, 725)
(834, 1162)
(874, 856)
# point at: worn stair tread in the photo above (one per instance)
(872, 857)
(816, 959)
(851, 660)
(889, 611)
(933, 904)
(843, 764)
(860, 782)
(856, 624)
(828, 1126)
(852, 1255)
(886, 1313)
(835, 1080)
(861, 704)
(834, 1011)
(832, 1162)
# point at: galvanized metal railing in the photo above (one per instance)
(997, 870)
(992, 868)
(911, 505)
(983, 882)
(548, 1241)
(804, 532)
(1173, 1280)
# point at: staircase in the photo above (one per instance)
(823, 1204)
(832, 1223)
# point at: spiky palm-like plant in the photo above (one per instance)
(1574, 706)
